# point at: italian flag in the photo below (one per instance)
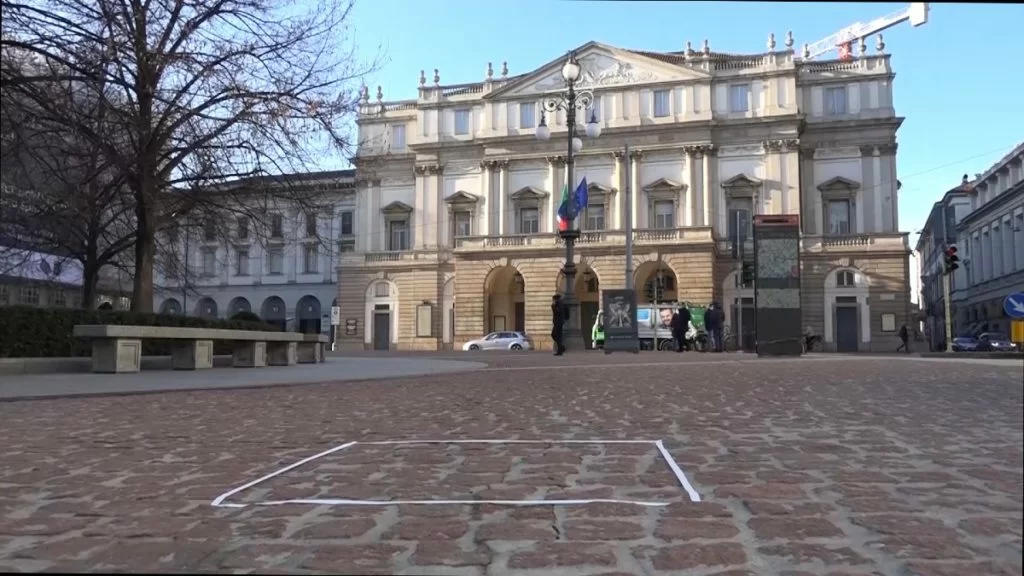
(563, 210)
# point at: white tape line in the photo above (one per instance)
(217, 501)
(694, 496)
(386, 442)
(344, 502)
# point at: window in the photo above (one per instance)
(462, 121)
(311, 225)
(845, 279)
(595, 109)
(276, 226)
(242, 262)
(595, 217)
(310, 259)
(527, 115)
(424, 321)
(529, 221)
(398, 235)
(462, 224)
(347, 246)
(210, 230)
(835, 101)
(739, 97)
(275, 261)
(29, 295)
(661, 103)
(209, 262)
(382, 290)
(1018, 239)
(739, 225)
(57, 297)
(347, 223)
(664, 214)
(243, 229)
(398, 137)
(5, 295)
(838, 217)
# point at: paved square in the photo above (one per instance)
(844, 465)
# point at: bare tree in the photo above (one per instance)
(198, 92)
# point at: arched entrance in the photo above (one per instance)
(847, 312)
(588, 292)
(275, 312)
(307, 315)
(206, 308)
(737, 297)
(505, 300)
(381, 318)
(170, 306)
(237, 305)
(655, 282)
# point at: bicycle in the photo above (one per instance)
(728, 339)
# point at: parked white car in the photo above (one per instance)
(514, 341)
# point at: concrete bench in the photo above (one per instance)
(117, 349)
(313, 349)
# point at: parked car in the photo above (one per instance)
(500, 341)
(995, 342)
(964, 344)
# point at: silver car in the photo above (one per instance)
(500, 341)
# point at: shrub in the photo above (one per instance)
(245, 316)
(28, 332)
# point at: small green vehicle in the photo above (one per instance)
(597, 332)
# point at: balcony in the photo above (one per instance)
(597, 238)
(396, 258)
(889, 242)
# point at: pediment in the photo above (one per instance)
(528, 193)
(664, 184)
(461, 197)
(397, 207)
(742, 181)
(602, 66)
(593, 188)
(838, 184)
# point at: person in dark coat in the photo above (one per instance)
(558, 318)
(904, 338)
(680, 324)
(713, 324)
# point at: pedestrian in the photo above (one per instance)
(904, 338)
(713, 324)
(680, 324)
(558, 318)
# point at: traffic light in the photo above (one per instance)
(951, 259)
(747, 274)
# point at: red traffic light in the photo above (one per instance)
(951, 251)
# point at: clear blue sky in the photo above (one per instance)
(958, 80)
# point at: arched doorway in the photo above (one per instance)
(381, 319)
(275, 312)
(738, 297)
(307, 315)
(206, 308)
(847, 312)
(505, 300)
(655, 282)
(237, 305)
(170, 306)
(588, 292)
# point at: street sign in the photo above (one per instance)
(1017, 331)
(1014, 305)
(620, 321)
(335, 315)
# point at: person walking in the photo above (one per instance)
(713, 323)
(680, 324)
(558, 318)
(904, 339)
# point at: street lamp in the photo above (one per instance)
(570, 101)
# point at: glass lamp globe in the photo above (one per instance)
(543, 132)
(571, 70)
(577, 144)
(593, 127)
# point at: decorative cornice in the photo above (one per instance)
(772, 146)
(428, 169)
(556, 161)
(888, 148)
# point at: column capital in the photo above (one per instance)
(791, 144)
(888, 148)
(773, 146)
(618, 154)
(428, 169)
(503, 163)
(807, 152)
(556, 161)
(487, 164)
(636, 154)
(868, 150)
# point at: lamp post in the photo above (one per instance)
(569, 101)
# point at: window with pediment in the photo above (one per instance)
(599, 198)
(528, 203)
(742, 193)
(664, 197)
(461, 208)
(397, 220)
(839, 201)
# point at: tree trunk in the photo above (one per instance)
(90, 278)
(142, 286)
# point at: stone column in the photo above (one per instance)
(502, 196)
(690, 218)
(640, 219)
(438, 223)
(791, 171)
(618, 221)
(419, 221)
(556, 165)
(888, 181)
(484, 216)
(708, 202)
(811, 209)
(772, 203)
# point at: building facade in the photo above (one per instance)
(34, 278)
(938, 234)
(284, 274)
(457, 199)
(991, 242)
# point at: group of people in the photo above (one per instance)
(681, 326)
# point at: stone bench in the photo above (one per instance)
(313, 349)
(117, 349)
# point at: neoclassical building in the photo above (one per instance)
(456, 197)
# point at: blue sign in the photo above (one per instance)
(1014, 305)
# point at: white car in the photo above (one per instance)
(514, 341)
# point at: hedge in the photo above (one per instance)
(28, 332)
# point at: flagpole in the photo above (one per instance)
(629, 219)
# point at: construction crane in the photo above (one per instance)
(916, 13)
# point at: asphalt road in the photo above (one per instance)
(826, 465)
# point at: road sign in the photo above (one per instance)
(1017, 331)
(1014, 305)
(335, 315)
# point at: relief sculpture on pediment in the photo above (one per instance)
(600, 70)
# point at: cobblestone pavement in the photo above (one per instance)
(806, 467)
